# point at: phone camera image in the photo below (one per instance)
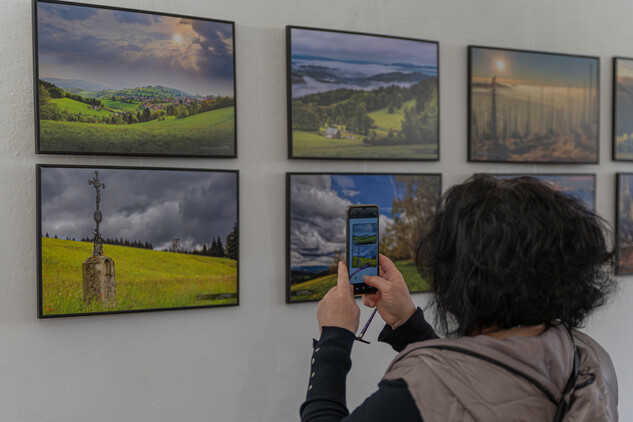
(363, 243)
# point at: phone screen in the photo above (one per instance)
(362, 241)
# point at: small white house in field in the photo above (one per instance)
(332, 132)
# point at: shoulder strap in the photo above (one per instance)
(562, 405)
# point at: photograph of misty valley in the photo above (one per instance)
(317, 225)
(623, 109)
(360, 96)
(532, 107)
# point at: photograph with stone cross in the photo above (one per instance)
(172, 234)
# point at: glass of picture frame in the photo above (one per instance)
(316, 204)
(532, 107)
(124, 239)
(114, 81)
(358, 96)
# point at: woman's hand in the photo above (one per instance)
(392, 300)
(338, 307)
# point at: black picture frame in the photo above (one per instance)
(622, 149)
(147, 189)
(567, 128)
(125, 116)
(336, 198)
(416, 149)
(623, 223)
(545, 176)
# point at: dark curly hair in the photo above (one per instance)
(502, 253)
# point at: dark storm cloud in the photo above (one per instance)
(317, 227)
(215, 40)
(145, 205)
(76, 49)
(70, 13)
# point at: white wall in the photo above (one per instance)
(250, 363)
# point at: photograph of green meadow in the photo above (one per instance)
(623, 109)
(532, 107)
(172, 235)
(116, 81)
(362, 96)
(316, 226)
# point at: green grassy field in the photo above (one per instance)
(317, 288)
(79, 107)
(211, 132)
(145, 279)
(358, 261)
(118, 105)
(364, 240)
(383, 120)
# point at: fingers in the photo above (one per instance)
(342, 281)
(368, 300)
(375, 281)
(386, 264)
(343, 277)
(371, 300)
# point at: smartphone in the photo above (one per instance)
(361, 246)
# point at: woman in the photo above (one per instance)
(515, 267)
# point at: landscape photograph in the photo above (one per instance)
(623, 109)
(162, 239)
(579, 186)
(364, 234)
(116, 81)
(532, 107)
(364, 256)
(624, 221)
(362, 96)
(316, 225)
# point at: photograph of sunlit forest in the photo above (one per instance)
(126, 82)
(360, 96)
(623, 109)
(533, 107)
(317, 204)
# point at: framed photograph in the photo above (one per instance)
(357, 96)
(112, 81)
(624, 224)
(122, 239)
(581, 186)
(316, 224)
(532, 107)
(622, 109)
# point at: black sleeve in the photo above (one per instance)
(415, 329)
(325, 400)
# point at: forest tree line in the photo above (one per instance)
(351, 108)
(216, 249)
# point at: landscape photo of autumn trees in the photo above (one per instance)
(362, 96)
(316, 227)
(532, 107)
(114, 81)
